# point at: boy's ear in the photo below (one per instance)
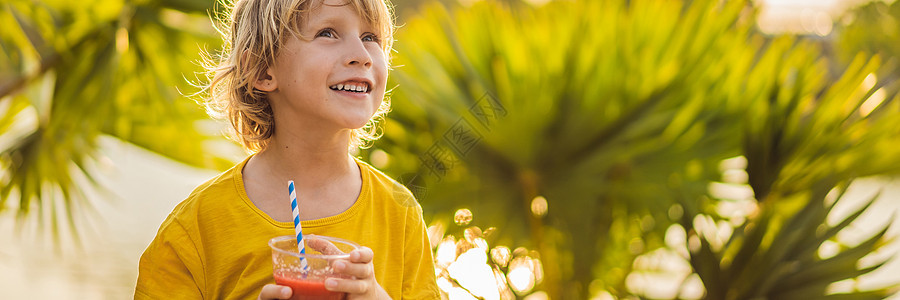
(266, 81)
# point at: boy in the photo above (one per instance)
(302, 82)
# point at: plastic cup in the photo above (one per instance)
(321, 253)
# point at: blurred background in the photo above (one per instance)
(561, 149)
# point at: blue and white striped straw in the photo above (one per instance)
(299, 231)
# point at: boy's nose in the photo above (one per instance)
(366, 63)
(358, 55)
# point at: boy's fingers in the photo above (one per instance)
(346, 285)
(362, 255)
(323, 246)
(272, 291)
(357, 270)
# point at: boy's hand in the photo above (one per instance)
(363, 284)
(273, 291)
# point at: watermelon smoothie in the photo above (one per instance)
(306, 272)
(304, 289)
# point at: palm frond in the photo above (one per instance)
(85, 70)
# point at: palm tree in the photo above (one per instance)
(614, 116)
(805, 140)
(71, 72)
(871, 29)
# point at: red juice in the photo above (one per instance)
(308, 289)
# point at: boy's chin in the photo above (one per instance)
(358, 124)
(355, 118)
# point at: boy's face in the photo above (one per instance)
(333, 79)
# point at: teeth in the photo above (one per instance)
(351, 87)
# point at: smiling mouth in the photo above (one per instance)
(354, 87)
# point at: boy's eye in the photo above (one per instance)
(327, 32)
(371, 38)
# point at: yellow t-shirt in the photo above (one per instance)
(214, 244)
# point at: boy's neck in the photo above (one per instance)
(309, 161)
(327, 179)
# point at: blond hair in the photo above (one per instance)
(254, 31)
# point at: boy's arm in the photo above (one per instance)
(171, 267)
(418, 278)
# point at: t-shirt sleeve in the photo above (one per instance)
(171, 267)
(419, 279)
